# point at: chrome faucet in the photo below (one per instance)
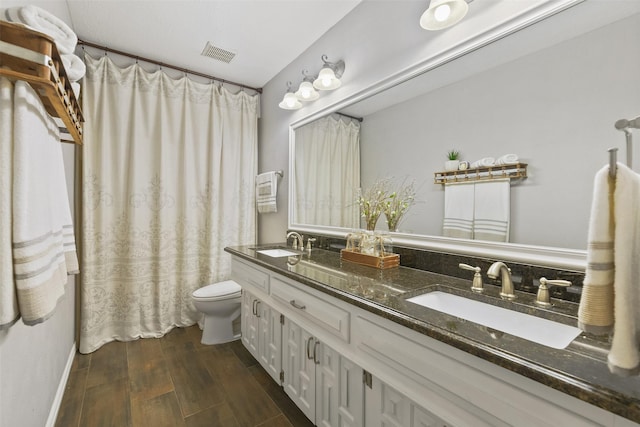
(297, 239)
(501, 269)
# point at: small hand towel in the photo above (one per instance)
(485, 161)
(458, 210)
(266, 192)
(507, 159)
(492, 210)
(44, 22)
(611, 295)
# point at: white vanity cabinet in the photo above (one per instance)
(386, 407)
(325, 385)
(262, 333)
(317, 346)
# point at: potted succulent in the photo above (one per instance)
(453, 161)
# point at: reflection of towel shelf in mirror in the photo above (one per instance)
(514, 171)
(33, 57)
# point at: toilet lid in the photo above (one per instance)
(219, 289)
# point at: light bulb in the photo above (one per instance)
(326, 81)
(442, 12)
(290, 101)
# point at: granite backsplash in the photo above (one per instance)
(525, 277)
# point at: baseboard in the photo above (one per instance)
(62, 385)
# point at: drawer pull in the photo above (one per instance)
(296, 305)
(315, 353)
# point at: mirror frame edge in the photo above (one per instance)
(562, 258)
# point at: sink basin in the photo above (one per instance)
(276, 253)
(532, 328)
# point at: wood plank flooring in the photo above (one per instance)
(174, 381)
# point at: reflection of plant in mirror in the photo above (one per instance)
(372, 201)
(398, 203)
(453, 155)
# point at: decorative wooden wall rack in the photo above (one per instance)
(33, 57)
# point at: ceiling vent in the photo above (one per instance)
(218, 53)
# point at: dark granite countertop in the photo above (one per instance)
(580, 370)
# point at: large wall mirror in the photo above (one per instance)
(550, 93)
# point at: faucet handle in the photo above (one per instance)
(543, 299)
(310, 241)
(476, 286)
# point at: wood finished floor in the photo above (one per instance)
(174, 381)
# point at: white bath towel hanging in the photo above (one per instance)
(611, 294)
(9, 313)
(267, 192)
(43, 243)
(491, 216)
(458, 210)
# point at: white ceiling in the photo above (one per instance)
(265, 35)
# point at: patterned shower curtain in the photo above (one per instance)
(168, 182)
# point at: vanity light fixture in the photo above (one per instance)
(290, 100)
(329, 76)
(443, 13)
(306, 92)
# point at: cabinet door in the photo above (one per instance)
(249, 323)
(386, 407)
(299, 368)
(270, 340)
(339, 388)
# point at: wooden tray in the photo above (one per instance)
(381, 262)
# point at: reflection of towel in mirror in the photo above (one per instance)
(266, 192)
(485, 161)
(610, 295)
(458, 210)
(507, 159)
(491, 210)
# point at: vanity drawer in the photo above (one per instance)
(249, 276)
(317, 310)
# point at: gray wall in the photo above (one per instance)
(33, 358)
(555, 108)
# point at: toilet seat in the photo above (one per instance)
(218, 291)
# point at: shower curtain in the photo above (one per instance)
(168, 173)
(327, 173)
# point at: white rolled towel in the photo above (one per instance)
(75, 86)
(485, 161)
(507, 159)
(74, 66)
(43, 21)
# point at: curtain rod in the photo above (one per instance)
(360, 119)
(163, 64)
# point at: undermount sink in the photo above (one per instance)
(542, 331)
(276, 253)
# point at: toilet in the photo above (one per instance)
(220, 304)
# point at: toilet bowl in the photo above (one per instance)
(220, 304)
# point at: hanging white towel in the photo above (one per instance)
(44, 22)
(8, 300)
(266, 192)
(458, 210)
(492, 210)
(611, 295)
(43, 242)
(507, 159)
(485, 161)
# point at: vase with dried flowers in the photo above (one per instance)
(371, 201)
(398, 203)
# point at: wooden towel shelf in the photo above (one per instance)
(33, 57)
(513, 171)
